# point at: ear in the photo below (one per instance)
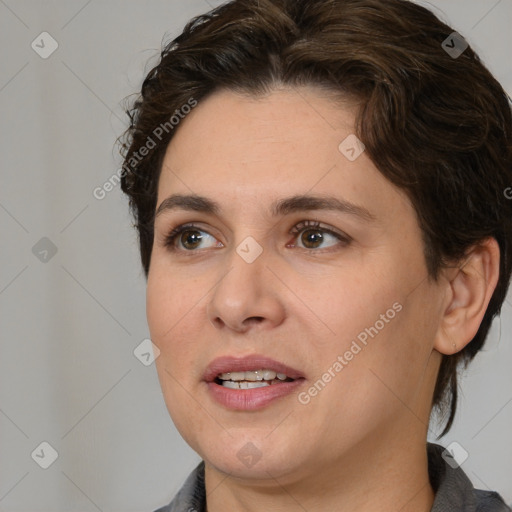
(469, 289)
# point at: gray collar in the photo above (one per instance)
(454, 491)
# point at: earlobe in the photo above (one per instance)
(469, 289)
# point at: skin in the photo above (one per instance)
(359, 444)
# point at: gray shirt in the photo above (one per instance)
(453, 490)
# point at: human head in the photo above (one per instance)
(437, 127)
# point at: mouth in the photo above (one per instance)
(251, 379)
(252, 368)
(251, 382)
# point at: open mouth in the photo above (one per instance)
(250, 383)
(251, 379)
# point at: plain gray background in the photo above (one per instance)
(70, 321)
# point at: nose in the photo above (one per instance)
(247, 296)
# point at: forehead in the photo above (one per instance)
(272, 132)
(243, 150)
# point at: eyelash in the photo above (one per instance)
(170, 239)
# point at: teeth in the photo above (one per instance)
(237, 376)
(230, 384)
(252, 376)
(244, 385)
(269, 374)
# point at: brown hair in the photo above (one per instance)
(436, 125)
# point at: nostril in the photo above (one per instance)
(217, 322)
(254, 320)
(248, 322)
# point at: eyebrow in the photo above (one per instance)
(281, 207)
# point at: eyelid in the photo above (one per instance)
(297, 228)
(314, 224)
(171, 237)
(303, 225)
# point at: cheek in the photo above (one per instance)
(383, 335)
(389, 373)
(168, 301)
(352, 302)
(170, 313)
(160, 308)
(175, 316)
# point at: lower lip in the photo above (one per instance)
(251, 399)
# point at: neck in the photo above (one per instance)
(390, 478)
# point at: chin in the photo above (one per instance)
(250, 456)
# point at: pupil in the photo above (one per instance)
(191, 238)
(313, 238)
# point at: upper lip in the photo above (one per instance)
(227, 364)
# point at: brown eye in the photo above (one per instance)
(312, 238)
(190, 239)
(311, 235)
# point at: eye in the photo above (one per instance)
(313, 236)
(189, 237)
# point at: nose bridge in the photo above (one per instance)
(243, 292)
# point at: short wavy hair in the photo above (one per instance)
(435, 123)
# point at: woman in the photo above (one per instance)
(318, 188)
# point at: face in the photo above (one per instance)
(266, 276)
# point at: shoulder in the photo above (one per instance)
(490, 501)
(454, 492)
